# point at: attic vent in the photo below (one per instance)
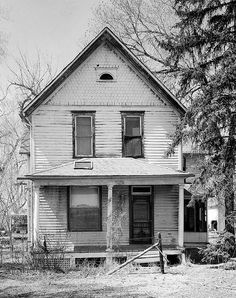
(106, 77)
(83, 164)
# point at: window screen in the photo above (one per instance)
(132, 135)
(84, 135)
(84, 210)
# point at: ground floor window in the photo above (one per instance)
(195, 217)
(84, 209)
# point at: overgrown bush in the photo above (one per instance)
(221, 251)
(48, 254)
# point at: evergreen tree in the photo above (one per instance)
(202, 52)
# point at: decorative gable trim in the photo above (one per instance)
(105, 35)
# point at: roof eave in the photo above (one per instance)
(59, 177)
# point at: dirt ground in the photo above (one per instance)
(179, 281)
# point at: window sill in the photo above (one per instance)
(85, 231)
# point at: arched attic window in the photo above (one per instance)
(106, 77)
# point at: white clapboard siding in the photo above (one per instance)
(53, 218)
(83, 88)
(53, 138)
(52, 132)
(166, 213)
(108, 134)
(158, 125)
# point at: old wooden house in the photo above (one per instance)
(98, 136)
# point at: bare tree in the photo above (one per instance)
(141, 24)
(12, 197)
(28, 79)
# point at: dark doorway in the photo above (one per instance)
(141, 215)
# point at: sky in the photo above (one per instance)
(55, 28)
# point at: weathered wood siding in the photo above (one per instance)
(52, 138)
(53, 217)
(166, 213)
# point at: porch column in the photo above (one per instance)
(181, 216)
(35, 213)
(109, 217)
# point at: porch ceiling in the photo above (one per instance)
(104, 170)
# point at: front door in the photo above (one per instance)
(141, 219)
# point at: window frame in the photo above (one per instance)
(199, 224)
(99, 229)
(84, 114)
(131, 114)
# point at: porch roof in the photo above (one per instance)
(110, 168)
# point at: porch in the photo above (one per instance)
(152, 198)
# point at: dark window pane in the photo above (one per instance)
(84, 146)
(83, 126)
(84, 131)
(189, 217)
(106, 76)
(133, 147)
(132, 126)
(195, 217)
(84, 214)
(141, 189)
(84, 219)
(84, 121)
(141, 211)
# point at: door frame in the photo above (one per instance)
(151, 204)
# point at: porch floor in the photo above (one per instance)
(122, 251)
(121, 248)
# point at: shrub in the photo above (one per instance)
(221, 251)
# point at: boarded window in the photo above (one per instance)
(132, 135)
(84, 135)
(85, 209)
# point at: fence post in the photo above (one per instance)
(161, 255)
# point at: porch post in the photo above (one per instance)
(181, 216)
(109, 218)
(35, 213)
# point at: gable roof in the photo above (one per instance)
(105, 35)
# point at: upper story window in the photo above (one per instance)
(132, 134)
(106, 73)
(84, 135)
(106, 77)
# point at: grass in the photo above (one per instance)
(132, 281)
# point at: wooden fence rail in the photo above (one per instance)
(157, 245)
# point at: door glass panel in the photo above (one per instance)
(132, 127)
(141, 220)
